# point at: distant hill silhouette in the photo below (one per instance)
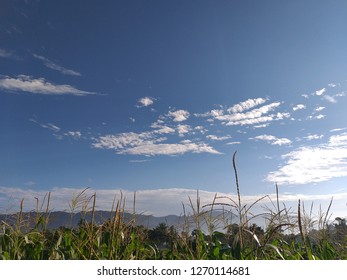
(64, 219)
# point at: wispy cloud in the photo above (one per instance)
(154, 149)
(330, 98)
(218, 138)
(333, 85)
(313, 137)
(73, 134)
(149, 144)
(4, 53)
(165, 130)
(7, 54)
(179, 115)
(49, 126)
(299, 107)
(57, 131)
(121, 141)
(317, 117)
(138, 160)
(320, 92)
(233, 143)
(38, 86)
(261, 125)
(273, 140)
(333, 98)
(313, 164)
(240, 114)
(338, 129)
(56, 67)
(318, 109)
(183, 129)
(246, 105)
(200, 129)
(145, 101)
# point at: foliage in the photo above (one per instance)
(289, 235)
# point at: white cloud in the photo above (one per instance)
(338, 129)
(154, 149)
(146, 143)
(216, 113)
(7, 54)
(318, 117)
(233, 143)
(57, 130)
(49, 126)
(73, 134)
(122, 140)
(313, 137)
(57, 67)
(246, 105)
(299, 107)
(261, 125)
(253, 116)
(201, 129)
(238, 114)
(273, 140)
(183, 129)
(218, 138)
(313, 164)
(306, 96)
(4, 53)
(320, 91)
(157, 202)
(158, 124)
(145, 101)
(39, 86)
(330, 99)
(332, 85)
(318, 109)
(281, 116)
(179, 115)
(338, 140)
(164, 130)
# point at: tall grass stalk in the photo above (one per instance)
(290, 234)
(239, 208)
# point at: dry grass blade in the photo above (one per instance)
(277, 199)
(250, 207)
(326, 215)
(20, 215)
(276, 249)
(255, 237)
(239, 200)
(300, 222)
(121, 238)
(47, 210)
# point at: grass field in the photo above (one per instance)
(289, 235)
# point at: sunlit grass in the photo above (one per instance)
(289, 234)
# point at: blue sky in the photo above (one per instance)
(156, 96)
